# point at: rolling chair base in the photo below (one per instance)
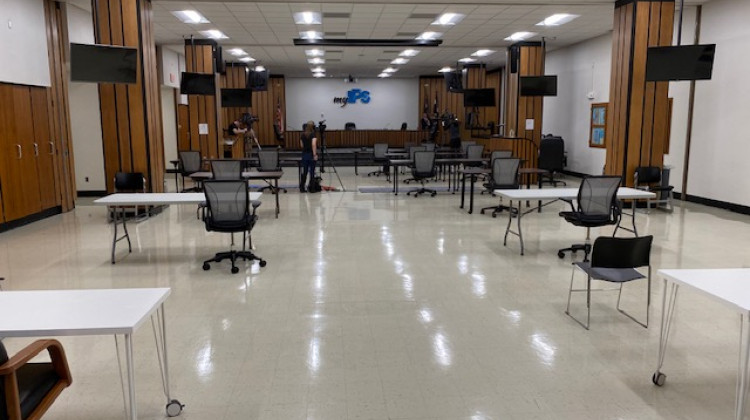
(586, 248)
(496, 209)
(233, 256)
(422, 191)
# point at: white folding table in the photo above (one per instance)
(729, 286)
(148, 199)
(44, 313)
(550, 195)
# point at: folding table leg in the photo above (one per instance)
(742, 376)
(669, 299)
(159, 326)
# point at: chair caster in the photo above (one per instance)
(206, 266)
(494, 215)
(262, 263)
(433, 194)
(659, 378)
(481, 211)
(235, 270)
(174, 408)
(560, 254)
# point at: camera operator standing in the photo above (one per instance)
(309, 144)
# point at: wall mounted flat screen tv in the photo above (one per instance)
(232, 98)
(479, 97)
(258, 80)
(453, 81)
(197, 84)
(103, 63)
(538, 85)
(686, 62)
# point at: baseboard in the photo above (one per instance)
(724, 205)
(92, 193)
(30, 219)
(575, 174)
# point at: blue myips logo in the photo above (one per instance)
(353, 96)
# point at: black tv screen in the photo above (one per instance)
(231, 98)
(258, 80)
(479, 97)
(197, 84)
(686, 62)
(538, 85)
(103, 63)
(453, 81)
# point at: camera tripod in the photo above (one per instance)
(324, 153)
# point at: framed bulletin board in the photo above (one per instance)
(598, 132)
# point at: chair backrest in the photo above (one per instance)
(647, 174)
(597, 196)
(190, 161)
(130, 181)
(403, 126)
(228, 203)
(379, 150)
(424, 164)
(350, 126)
(551, 154)
(415, 149)
(409, 145)
(430, 147)
(465, 145)
(498, 154)
(226, 169)
(611, 252)
(505, 173)
(268, 160)
(3, 355)
(474, 151)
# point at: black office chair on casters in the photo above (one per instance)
(423, 169)
(268, 161)
(226, 170)
(379, 151)
(229, 210)
(551, 158)
(504, 177)
(597, 206)
(614, 260)
(190, 163)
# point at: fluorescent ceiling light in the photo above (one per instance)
(557, 19)
(310, 35)
(409, 53)
(237, 52)
(214, 34)
(318, 70)
(247, 59)
(307, 18)
(390, 70)
(316, 60)
(382, 75)
(483, 53)
(447, 19)
(319, 75)
(315, 53)
(400, 60)
(467, 60)
(260, 68)
(445, 70)
(429, 35)
(190, 16)
(520, 36)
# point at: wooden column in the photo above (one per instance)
(203, 109)
(131, 113)
(264, 107)
(638, 118)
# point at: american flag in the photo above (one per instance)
(279, 116)
(435, 107)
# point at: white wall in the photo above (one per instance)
(23, 43)
(85, 114)
(393, 101)
(581, 69)
(169, 123)
(169, 67)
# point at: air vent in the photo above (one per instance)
(386, 60)
(333, 60)
(334, 15)
(410, 34)
(335, 51)
(430, 16)
(391, 51)
(329, 34)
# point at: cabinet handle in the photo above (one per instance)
(52, 148)
(20, 152)
(36, 150)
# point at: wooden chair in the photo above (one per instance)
(27, 390)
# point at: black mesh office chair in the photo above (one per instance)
(268, 161)
(465, 146)
(350, 126)
(423, 169)
(597, 206)
(190, 163)
(551, 159)
(496, 154)
(403, 126)
(412, 150)
(228, 210)
(648, 178)
(614, 260)
(27, 390)
(474, 151)
(226, 170)
(504, 176)
(379, 151)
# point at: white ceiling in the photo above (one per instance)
(266, 30)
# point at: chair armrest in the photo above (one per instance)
(572, 207)
(56, 352)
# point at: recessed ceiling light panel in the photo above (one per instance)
(247, 59)
(409, 53)
(237, 52)
(400, 60)
(319, 75)
(311, 35)
(260, 68)
(190, 16)
(383, 75)
(315, 53)
(467, 60)
(316, 60)
(429, 35)
(390, 70)
(520, 36)
(445, 70)
(557, 19)
(214, 34)
(448, 19)
(482, 53)
(308, 18)
(318, 70)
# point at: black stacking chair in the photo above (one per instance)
(504, 177)
(551, 159)
(379, 151)
(190, 163)
(614, 260)
(131, 182)
(27, 390)
(268, 161)
(229, 210)
(597, 206)
(350, 126)
(423, 169)
(648, 178)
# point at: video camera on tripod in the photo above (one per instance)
(248, 119)
(322, 126)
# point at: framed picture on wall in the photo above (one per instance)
(598, 132)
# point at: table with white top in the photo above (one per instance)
(551, 195)
(274, 176)
(123, 200)
(729, 286)
(44, 313)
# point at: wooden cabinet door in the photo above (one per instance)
(23, 136)
(183, 123)
(11, 154)
(44, 149)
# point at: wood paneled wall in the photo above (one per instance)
(638, 117)
(477, 77)
(434, 98)
(264, 107)
(131, 113)
(203, 109)
(360, 138)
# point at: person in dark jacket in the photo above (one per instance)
(309, 144)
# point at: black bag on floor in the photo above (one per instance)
(315, 185)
